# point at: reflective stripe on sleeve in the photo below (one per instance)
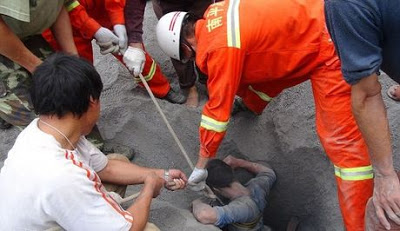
(233, 25)
(260, 94)
(212, 124)
(70, 5)
(358, 173)
(149, 76)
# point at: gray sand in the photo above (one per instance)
(283, 136)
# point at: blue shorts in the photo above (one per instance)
(247, 208)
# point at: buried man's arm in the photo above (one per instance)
(123, 173)
(370, 114)
(250, 166)
(203, 212)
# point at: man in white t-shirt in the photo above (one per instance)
(53, 176)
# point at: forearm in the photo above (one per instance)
(204, 213)
(141, 208)
(124, 173)
(62, 32)
(137, 45)
(251, 166)
(370, 114)
(13, 48)
(202, 162)
(134, 15)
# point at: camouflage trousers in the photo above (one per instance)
(15, 104)
(15, 82)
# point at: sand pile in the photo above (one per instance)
(283, 136)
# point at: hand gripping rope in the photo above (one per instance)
(208, 192)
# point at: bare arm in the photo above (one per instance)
(202, 162)
(120, 172)
(124, 173)
(370, 114)
(141, 207)
(12, 48)
(250, 166)
(203, 212)
(62, 32)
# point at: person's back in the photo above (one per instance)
(51, 177)
(280, 39)
(37, 177)
(367, 36)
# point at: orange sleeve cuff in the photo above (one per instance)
(209, 142)
(90, 27)
(117, 18)
(115, 9)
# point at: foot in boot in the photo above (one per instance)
(175, 97)
(238, 106)
(193, 98)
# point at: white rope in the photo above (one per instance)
(171, 130)
(208, 192)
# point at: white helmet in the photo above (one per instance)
(169, 32)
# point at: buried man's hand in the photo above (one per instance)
(175, 179)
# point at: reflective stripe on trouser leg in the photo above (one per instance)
(341, 139)
(357, 173)
(158, 83)
(256, 100)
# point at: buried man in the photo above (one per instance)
(53, 177)
(247, 202)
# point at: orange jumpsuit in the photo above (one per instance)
(87, 16)
(257, 48)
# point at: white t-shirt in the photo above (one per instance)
(43, 186)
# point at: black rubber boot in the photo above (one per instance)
(239, 106)
(175, 97)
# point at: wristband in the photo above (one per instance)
(166, 175)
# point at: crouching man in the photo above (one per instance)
(247, 202)
(53, 177)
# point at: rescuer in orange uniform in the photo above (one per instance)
(255, 49)
(103, 20)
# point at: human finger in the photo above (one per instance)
(381, 217)
(396, 211)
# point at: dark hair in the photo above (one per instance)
(64, 84)
(220, 174)
(188, 24)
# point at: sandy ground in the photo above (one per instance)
(284, 136)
